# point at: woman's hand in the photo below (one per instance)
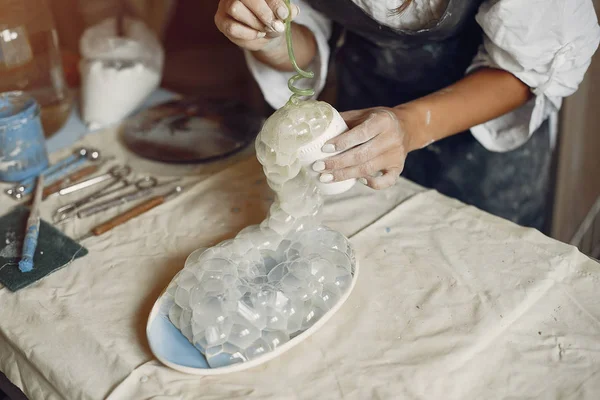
(253, 24)
(375, 146)
(373, 149)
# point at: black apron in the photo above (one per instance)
(380, 66)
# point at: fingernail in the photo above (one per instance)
(363, 181)
(326, 178)
(261, 35)
(328, 148)
(279, 26)
(282, 12)
(295, 10)
(319, 166)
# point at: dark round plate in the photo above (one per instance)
(191, 130)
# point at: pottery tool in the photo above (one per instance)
(79, 153)
(54, 250)
(132, 213)
(55, 173)
(64, 213)
(143, 188)
(114, 174)
(76, 176)
(83, 208)
(33, 229)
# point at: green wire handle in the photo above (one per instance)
(296, 92)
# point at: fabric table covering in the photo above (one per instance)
(450, 303)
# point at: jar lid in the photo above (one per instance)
(16, 106)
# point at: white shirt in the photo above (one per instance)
(547, 44)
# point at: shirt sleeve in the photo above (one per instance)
(548, 45)
(273, 83)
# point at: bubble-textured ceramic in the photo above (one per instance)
(249, 298)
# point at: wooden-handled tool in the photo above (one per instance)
(74, 177)
(132, 213)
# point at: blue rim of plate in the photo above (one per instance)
(173, 349)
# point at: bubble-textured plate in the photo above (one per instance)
(172, 349)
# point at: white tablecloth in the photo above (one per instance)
(451, 303)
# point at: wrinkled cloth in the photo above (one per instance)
(546, 44)
(450, 303)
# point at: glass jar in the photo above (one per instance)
(22, 145)
(30, 59)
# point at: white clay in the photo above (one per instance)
(249, 295)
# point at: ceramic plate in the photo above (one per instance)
(171, 348)
(191, 130)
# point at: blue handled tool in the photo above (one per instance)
(33, 229)
(55, 172)
(78, 154)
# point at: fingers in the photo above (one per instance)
(376, 122)
(358, 155)
(393, 159)
(383, 181)
(236, 31)
(252, 24)
(373, 150)
(354, 137)
(265, 14)
(239, 12)
(281, 10)
(295, 11)
(352, 118)
(271, 14)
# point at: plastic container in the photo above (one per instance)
(22, 145)
(118, 72)
(31, 61)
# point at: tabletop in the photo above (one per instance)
(451, 302)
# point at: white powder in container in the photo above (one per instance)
(109, 92)
(117, 72)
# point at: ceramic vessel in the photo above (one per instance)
(311, 152)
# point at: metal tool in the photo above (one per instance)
(33, 229)
(81, 153)
(64, 213)
(92, 155)
(76, 176)
(53, 174)
(132, 213)
(77, 154)
(144, 187)
(115, 173)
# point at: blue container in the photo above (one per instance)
(22, 144)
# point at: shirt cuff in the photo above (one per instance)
(511, 130)
(274, 83)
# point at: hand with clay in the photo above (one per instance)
(253, 24)
(375, 147)
(373, 150)
(258, 26)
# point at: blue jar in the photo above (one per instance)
(22, 144)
